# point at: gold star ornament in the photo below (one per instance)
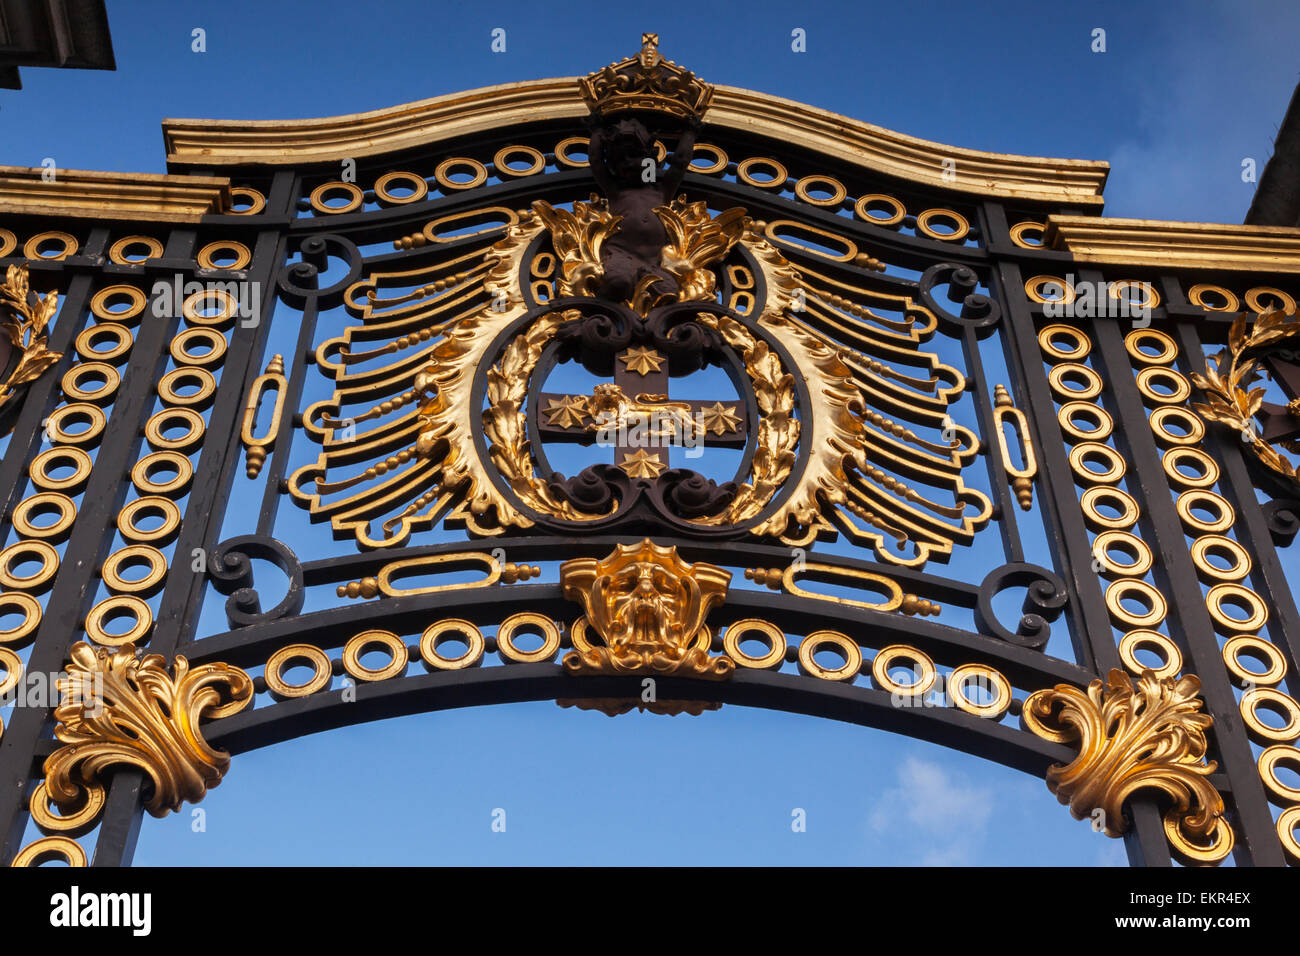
(642, 360)
(641, 465)
(719, 419)
(567, 412)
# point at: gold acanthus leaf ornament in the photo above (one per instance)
(119, 709)
(1148, 735)
(648, 606)
(1228, 379)
(23, 324)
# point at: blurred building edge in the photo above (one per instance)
(1277, 198)
(58, 33)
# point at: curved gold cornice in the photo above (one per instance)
(192, 142)
(88, 194)
(1186, 245)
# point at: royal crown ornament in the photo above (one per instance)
(647, 83)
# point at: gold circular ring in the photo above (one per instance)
(1079, 343)
(1034, 289)
(562, 151)
(501, 161)
(214, 340)
(1134, 641)
(133, 555)
(1071, 412)
(1087, 451)
(804, 187)
(1073, 371)
(1287, 824)
(73, 379)
(383, 187)
(886, 657)
(120, 251)
(445, 168)
(220, 299)
(77, 413)
(746, 629)
(1162, 418)
(121, 338)
(452, 629)
(356, 646)
(29, 607)
(718, 164)
(1176, 458)
(1235, 648)
(44, 503)
(1270, 698)
(47, 461)
(78, 822)
(49, 848)
(325, 190)
(745, 171)
(207, 257)
(7, 242)
(308, 653)
(1018, 234)
(141, 474)
(1143, 593)
(169, 387)
(1254, 300)
(1094, 498)
(1278, 792)
(960, 230)
(1207, 545)
(1149, 379)
(1128, 544)
(1197, 293)
(1241, 596)
(12, 666)
(39, 580)
(1167, 347)
(815, 642)
(506, 638)
(862, 208)
(988, 678)
(116, 607)
(1198, 854)
(102, 301)
(1198, 498)
(256, 201)
(155, 428)
(1120, 290)
(128, 520)
(67, 246)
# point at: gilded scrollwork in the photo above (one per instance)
(24, 323)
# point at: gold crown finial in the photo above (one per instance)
(647, 83)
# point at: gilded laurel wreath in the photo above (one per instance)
(25, 326)
(1228, 379)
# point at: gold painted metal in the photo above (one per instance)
(1135, 736)
(119, 709)
(646, 82)
(1060, 377)
(134, 554)
(119, 335)
(307, 653)
(1179, 389)
(170, 385)
(81, 194)
(149, 465)
(212, 356)
(324, 190)
(895, 600)
(383, 582)
(716, 164)
(43, 464)
(1148, 297)
(1049, 337)
(1134, 641)
(12, 666)
(24, 324)
(45, 502)
(1070, 413)
(115, 607)
(1064, 292)
(120, 251)
(1193, 429)
(642, 360)
(648, 606)
(1091, 451)
(1022, 476)
(1139, 591)
(39, 580)
(862, 208)
(1183, 245)
(745, 629)
(1176, 459)
(986, 677)
(1235, 648)
(383, 186)
(510, 651)
(1270, 698)
(745, 170)
(1021, 230)
(452, 629)
(8, 241)
(208, 255)
(1237, 595)
(921, 664)
(1167, 348)
(128, 520)
(51, 848)
(1130, 544)
(820, 640)
(641, 464)
(256, 448)
(1092, 501)
(160, 422)
(357, 645)
(102, 302)
(478, 173)
(562, 151)
(501, 161)
(1263, 299)
(1277, 791)
(74, 822)
(1228, 378)
(29, 607)
(1197, 293)
(92, 416)
(102, 393)
(1287, 824)
(1208, 545)
(803, 189)
(68, 246)
(256, 201)
(195, 304)
(1225, 515)
(961, 227)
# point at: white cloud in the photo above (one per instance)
(948, 815)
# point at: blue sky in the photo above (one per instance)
(1184, 92)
